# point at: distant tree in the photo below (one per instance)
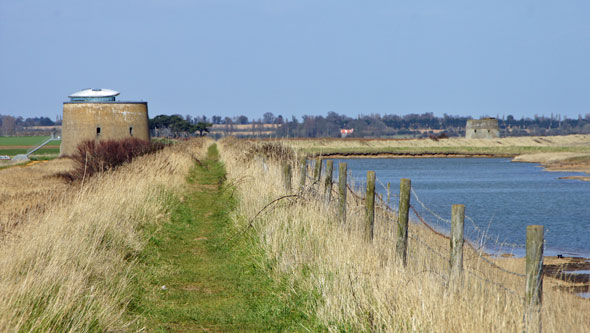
(176, 124)
(268, 118)
(242, 120)
(202, 127)
(8, 126)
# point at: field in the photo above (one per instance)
(198, 237)
(15, 145)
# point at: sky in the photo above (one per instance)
(295, 58)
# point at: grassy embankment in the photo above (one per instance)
(93, 256)
(361, 285)
(67, 252)
(191, 278)
(14, 145)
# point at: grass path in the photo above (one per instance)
(209, 285)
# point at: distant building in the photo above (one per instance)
(94, 114)
(344, 132)
(486, 128)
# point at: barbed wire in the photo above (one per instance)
(478, 251)
(481, 234)
(443, 256)
(311, 188)
(426, 224)
(428, 209)
(493, 264)
(497, 284)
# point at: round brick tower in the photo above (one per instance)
(94, 114)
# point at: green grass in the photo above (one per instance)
(31, 141)
(25, 140)
(212, 284)
(42, 151)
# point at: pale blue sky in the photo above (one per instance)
(222, 57)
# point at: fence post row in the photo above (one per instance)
(401, 248)
(534, 278)
(287, 176)
(302, 173)
(370, 206)
(342, 170)
(317, 171)
(457, 225)
(328, 181)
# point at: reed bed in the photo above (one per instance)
(68, 266)
(360, 286)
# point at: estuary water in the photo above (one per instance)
(501, 197)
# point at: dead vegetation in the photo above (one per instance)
(93, 157)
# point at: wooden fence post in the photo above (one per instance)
(328, 181)
(534, 278)
(287, 176)
(401, 248)
(370, 206)
(303, 173)
(317, 171)
(342, 170)
(457, 223)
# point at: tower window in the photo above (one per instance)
(131, 131)
(97, 131)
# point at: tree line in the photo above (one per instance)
(314, 126)
(10, 125)
(413, 125)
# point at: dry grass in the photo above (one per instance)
(362, 287)
(65, 265)
(525, 141)
(27, 190)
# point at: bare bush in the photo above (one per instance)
(93, 157)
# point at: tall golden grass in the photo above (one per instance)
(361, 286)
(67, 265)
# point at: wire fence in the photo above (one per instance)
(313, 189)
(478, 249)
(442, 261)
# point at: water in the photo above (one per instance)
(502, 198)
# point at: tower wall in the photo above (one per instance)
(482, 129)
(102, 121)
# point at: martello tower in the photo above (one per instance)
(94, 114)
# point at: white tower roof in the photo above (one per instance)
(94, 93)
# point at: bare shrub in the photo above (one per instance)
(93, 157)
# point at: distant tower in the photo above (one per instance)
(93, 114)
(486, 128)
